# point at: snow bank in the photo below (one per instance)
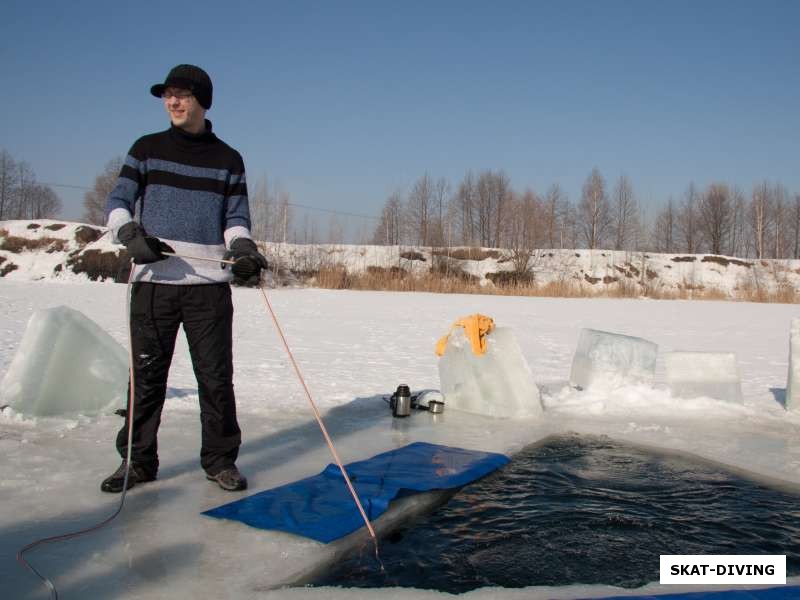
(84, 252)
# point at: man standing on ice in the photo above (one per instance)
(192, 200)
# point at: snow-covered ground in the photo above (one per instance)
(353, 348)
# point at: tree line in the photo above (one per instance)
(485, 210)
(21, 196)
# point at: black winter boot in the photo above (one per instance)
(229, 479)
(137, 474)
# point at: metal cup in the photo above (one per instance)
(436, 407)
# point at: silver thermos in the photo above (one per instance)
(401, 401)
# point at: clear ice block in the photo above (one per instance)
(66, 364)
(498, 383)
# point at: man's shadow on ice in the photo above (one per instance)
(279, 447)
(116, 582)
(63, 561)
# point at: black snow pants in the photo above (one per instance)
(206, 312)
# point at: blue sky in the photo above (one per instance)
(344, 102)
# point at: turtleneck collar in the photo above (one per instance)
(185, 138)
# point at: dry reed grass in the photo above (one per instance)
(397, 280)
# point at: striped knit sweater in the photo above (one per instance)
(189, 191)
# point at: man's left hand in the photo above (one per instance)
(248, 262)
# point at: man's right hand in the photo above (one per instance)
(143, 248)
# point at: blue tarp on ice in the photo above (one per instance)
(321, 507)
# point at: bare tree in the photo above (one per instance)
(795, 225)
(715, 216)
(624, 214)
(262, 208)
(688, 221)
(502, 198)
(553, 209)
(271, 213)
(284, 214)
(43, 202)
(664, 229)
(738, 244)
(388, 230)
(95, 199)
(464, 203)
(22, 199)
(493, 196)
(570, 229)
(335, 230)
(522, 231)
(593, 212)
(441, 190)
(309, 232)
(22, 179)
(486, 208)
(419, 210)
(779, 222)
(760, 215)
(7, 173)
(643, 229)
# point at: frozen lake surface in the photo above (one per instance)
(354, 348)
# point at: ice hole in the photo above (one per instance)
(585, 510)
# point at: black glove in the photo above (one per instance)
(248, 262)
(143, 248)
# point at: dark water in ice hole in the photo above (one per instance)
(580, 510)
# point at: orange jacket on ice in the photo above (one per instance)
(476, 328)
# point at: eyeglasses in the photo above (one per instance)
(166, 95)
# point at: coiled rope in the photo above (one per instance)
(72, 535)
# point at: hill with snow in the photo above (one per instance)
(61, 250)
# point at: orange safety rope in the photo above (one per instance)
(308, 395)
(74, 534)
(321, 423)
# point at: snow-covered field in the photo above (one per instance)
(353, 348)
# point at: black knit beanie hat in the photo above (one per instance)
(191, 78)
